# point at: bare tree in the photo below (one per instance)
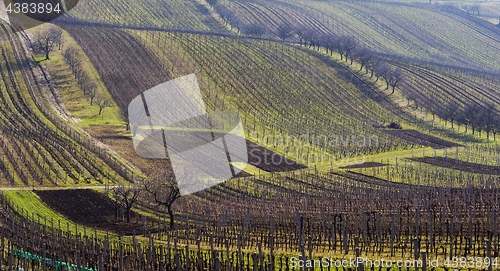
(364, 56)
(395, 79)
(469, 116)
(284, 31)
(328, 41)
(127, 197)
(373, 65)
(114, 199)
(72, 57)
(474, 9)
(255, 30)
(345, 45)
(381, 70)
(165, 191)
(451, 112)
(81, 76)
(313, 37)
(90, 91)
(46, 39)
(495, 127)
(102, 103)
(488, 118)
(301, 32)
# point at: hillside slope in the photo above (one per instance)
(277, 89)
(179, 14)
(417, 31)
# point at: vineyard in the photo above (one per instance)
(404, 29)
(38, 149)
(371, 130)
(152, 13)
(308, 213)
(228, 67)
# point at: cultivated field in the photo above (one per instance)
(371, 131)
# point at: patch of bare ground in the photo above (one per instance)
(451, 163)
(421, 139)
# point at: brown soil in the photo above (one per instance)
(120, 141)
(269, 161)
(421, 139)
(91, 208)
(459, 165)
(365, 165)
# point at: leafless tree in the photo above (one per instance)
(114, 199)
(127, 197)
(345, 45)
(284, 31)
(313, 37)
(495, 127)
(163, 187)
(488, 118)
(396, 77)
(373, 65)
(451, 111)
(102, 103)
(364, 56)
(72, 57)
(301, 31)
(81, 76)
(474, 9)
(381, 70)
(90, 91)
(328, 41)
(46, 39)
(470, 116)
(255, 30)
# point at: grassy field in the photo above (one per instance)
(76, 103)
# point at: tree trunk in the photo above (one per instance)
(171, 215)
(128, 215)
